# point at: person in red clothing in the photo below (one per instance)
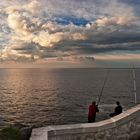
(93, 108)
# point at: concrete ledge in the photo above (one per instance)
(63, 132)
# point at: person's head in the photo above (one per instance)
(94, 103)
(118, 103)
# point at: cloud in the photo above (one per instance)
(37, 30)
(48, 40)
(34, 7)
(88, 9)
(115, 21)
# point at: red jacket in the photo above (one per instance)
(92, 110)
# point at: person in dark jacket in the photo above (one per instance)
(117, 111)
(93, 108)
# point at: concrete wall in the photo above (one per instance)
(125, 126)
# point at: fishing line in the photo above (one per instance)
(101, 93)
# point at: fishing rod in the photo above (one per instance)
(134, 84)
(101, 93)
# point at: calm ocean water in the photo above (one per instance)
(61, 96)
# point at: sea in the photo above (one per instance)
(42, 97)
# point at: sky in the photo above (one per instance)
(69, 33)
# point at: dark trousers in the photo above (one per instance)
(112, 114)
(91, 119)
